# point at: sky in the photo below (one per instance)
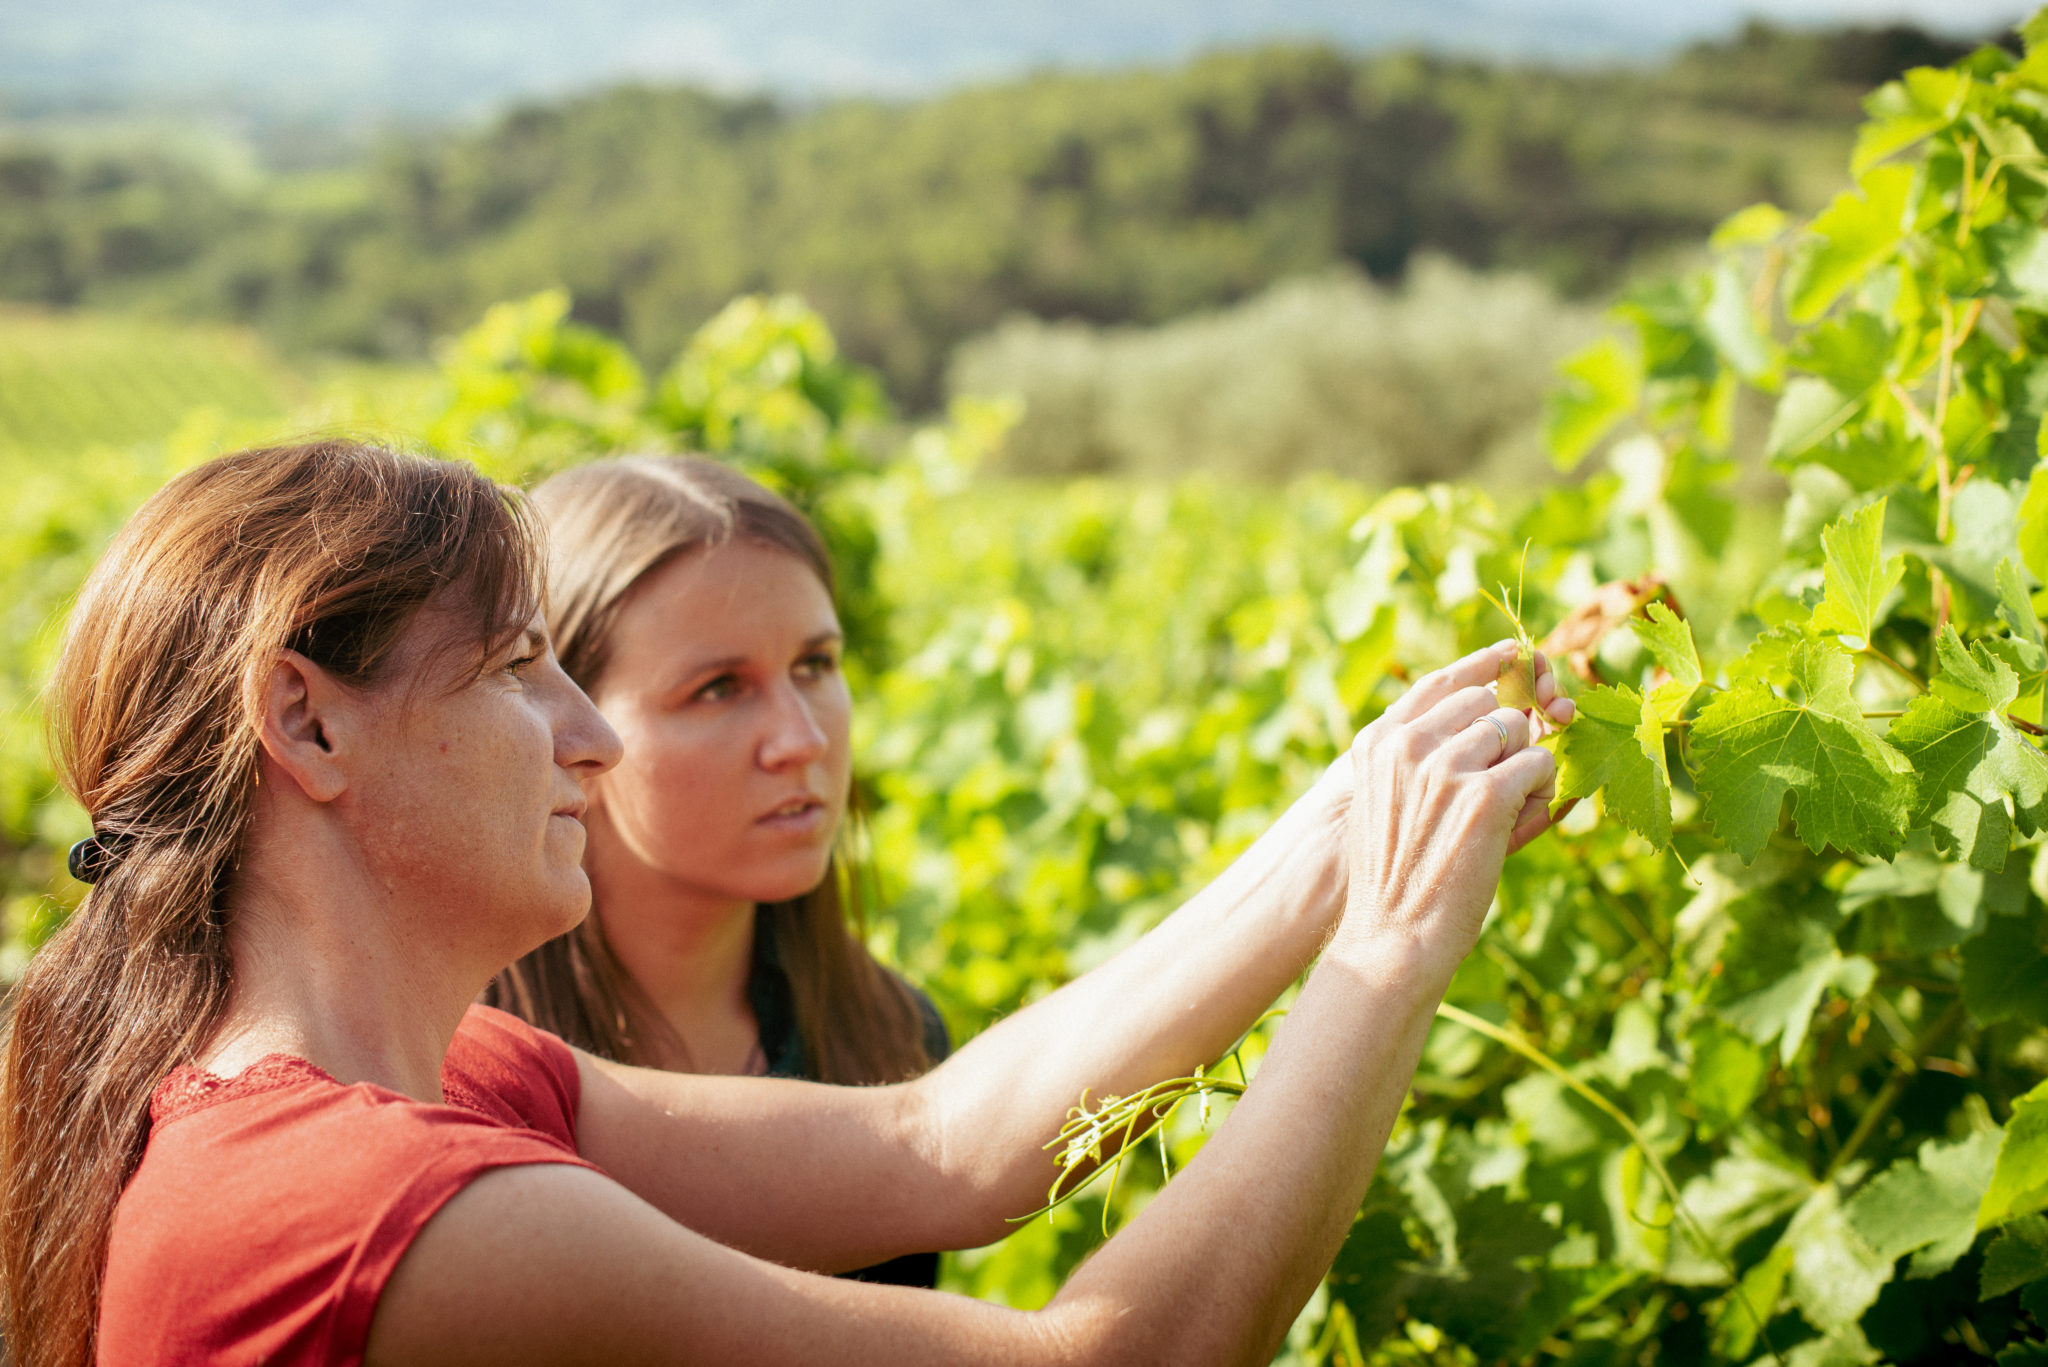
(382, 57)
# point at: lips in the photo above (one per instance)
(792, 809)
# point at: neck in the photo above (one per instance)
(325, 970)
(691, 954)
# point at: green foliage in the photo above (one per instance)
(1617, 745)
(1852, 767)
(1444, 376)
(1756, 745)
(1788, 1090)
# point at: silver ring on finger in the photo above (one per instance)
(1494, 722)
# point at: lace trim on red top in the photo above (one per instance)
(190, 1088)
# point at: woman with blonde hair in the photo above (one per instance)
(250, 1113)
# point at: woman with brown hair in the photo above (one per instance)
(248, 1111)
(696, 608)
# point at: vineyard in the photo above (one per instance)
(68, 382)
(1748, 1066)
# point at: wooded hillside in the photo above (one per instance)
(1108, 198)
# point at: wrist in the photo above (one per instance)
(1394, 957)
(1315, 826)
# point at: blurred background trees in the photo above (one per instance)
(1116, 198)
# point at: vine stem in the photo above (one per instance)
(1870, 649)
(1516, 1043)
(1967, 200)
(1894, 1088)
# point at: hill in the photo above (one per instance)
(1127, 197)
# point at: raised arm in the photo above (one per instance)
(832, 1178)
(550, 1265)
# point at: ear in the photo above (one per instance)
(303, 718)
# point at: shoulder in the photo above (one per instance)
(514, 1073)
(268, 1211)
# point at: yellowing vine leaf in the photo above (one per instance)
(1668, 638)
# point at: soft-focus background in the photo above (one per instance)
(1172, 378)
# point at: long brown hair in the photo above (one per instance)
(609, 525)
(328, 549)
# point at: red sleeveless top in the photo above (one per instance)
(271, 1207)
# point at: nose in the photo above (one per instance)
(585, 743)
(794, 737)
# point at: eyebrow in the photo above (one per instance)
(726, 662)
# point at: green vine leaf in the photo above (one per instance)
(2018, 1256)
(2019, 1183)
(1615, 746)
(1970, 758)
(2015, 604)
(1849, 788)
(2034, 518)
(1775, 967)
(1853, 236)
(1835, 1275)
(1927, 1205)
(1601, 386)
(1809, 412)
(1857, 573)
(1902, 112)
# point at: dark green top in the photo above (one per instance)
(774, 1004)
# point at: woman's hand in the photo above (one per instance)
(1444, 785)
(1330, 799)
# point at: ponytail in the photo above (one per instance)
(328, 549)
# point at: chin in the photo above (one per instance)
(566, 908)
(787, 887)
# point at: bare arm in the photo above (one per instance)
(553, 1265)
(834, 1178)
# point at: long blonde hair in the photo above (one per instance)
(609, 525)
(328, 549)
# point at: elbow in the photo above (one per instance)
(978, 1179)
(1098, 1331)
(965, 1203)
(1087, 1332)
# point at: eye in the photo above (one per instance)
(518, 664)
(719, 689)
(817, 664)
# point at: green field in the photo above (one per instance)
(71, 380)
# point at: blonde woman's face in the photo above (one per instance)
(724, 683)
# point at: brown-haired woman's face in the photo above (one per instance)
(724, 683)
(469, 790)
